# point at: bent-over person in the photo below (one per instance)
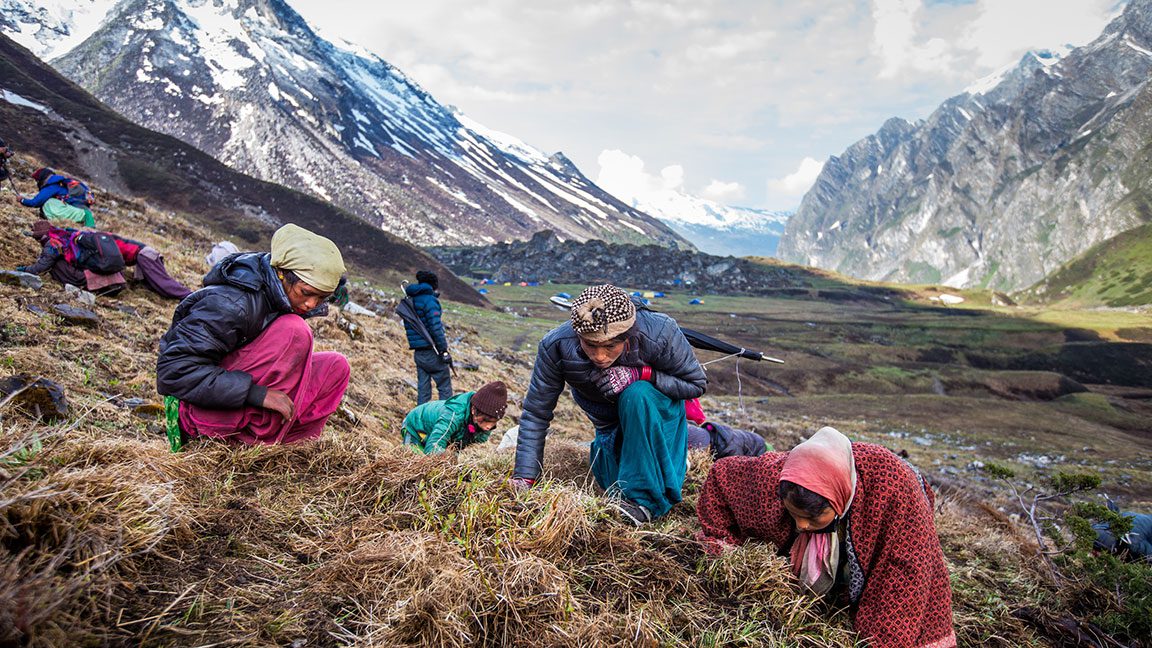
(630, 370)
(856, 522)
(239, 354)
(461, 421)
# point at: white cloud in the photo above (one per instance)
(796, 183)
(1003, 31)
(623, 176)
(894, 40)
(723, 192)
(731, 46)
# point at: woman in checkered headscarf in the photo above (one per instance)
(630, 370)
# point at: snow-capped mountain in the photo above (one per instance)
(251, 83)
(1000, 185)
(715, 228)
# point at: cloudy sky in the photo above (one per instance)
(740, 101)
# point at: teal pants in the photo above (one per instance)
(643, 458)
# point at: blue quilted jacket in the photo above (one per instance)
(428, 308)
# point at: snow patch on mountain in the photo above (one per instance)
(50, 29)
(1042, 58)
(715, 228)
(18, 100)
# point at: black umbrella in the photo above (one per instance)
(406, 309)
(709, 343)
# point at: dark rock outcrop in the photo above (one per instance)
(546, 258)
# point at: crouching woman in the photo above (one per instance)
(239, 354)
(857, 524)
(461, 421)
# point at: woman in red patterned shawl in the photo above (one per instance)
(856, 521)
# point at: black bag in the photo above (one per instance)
(98, 252)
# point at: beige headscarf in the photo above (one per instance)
(315, 259)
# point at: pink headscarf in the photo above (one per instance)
(824, 465)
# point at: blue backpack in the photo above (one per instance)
(79, 195)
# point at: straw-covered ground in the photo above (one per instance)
(107, 538)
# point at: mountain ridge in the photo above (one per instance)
(1000, 188)
(251, 83)
(67, 128)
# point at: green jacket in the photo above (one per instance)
(435, 425)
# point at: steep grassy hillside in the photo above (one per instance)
(1116, 273)
(106, 538)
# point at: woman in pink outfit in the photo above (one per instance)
(239, 354)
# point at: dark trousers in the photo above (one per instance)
(430, 367)
(150, 268)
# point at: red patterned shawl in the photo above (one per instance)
(906, 599)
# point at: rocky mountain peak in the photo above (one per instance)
(1001, 184)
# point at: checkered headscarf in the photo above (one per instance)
(603, 312)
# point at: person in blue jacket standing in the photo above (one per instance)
(433, 362)
(53, 199)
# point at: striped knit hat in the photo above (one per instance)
(603, 312)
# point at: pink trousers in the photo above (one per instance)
(280, 358)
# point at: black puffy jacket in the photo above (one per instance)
(654, 341)
(241, 297)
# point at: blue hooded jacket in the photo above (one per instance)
(428, 309)
(53, 188)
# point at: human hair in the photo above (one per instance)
(811, 503)
(623, 337)
(428, 277)
(289, 276)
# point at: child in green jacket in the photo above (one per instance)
(459, 421)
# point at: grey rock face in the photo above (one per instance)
(24, 279)
(1000, 185)
(546, 258)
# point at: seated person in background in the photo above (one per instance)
(239, 354)
(721, 440)
(857, 524)
(58, 258)
(630, 371)
(460, 421)
(57, 202)
(150, 268)
(1136, 544)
